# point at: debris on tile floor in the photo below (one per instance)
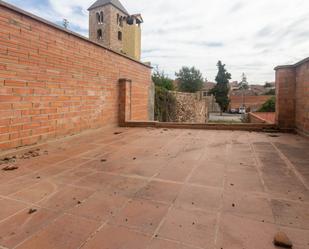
(32, 210)
(10, 168)
(282, 240)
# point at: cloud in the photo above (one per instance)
(248, 36)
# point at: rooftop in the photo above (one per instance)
(157, 188)
(115, 3)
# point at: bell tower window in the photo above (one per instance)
(99, 34)
(119, 35)
(101, 17)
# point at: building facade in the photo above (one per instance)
(111, 25)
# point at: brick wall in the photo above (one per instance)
(54, 82)
(252, 102)
(262, 117)
(292, 83)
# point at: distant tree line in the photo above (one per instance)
(189, 79)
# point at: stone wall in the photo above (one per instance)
(292, 90)
(190, 108)
(54, 82)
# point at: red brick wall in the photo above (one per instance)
(262, 117)
(292, 83)
(54, 83)
(285, 101)
(254, 102)
(302, 98)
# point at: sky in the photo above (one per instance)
(249, 36)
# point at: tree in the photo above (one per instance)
(190, 79)
(221, 89)
(164, 109)
(269, 105)
(161, 80)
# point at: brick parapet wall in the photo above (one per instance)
(292, 86)
(262, 117)
(54, 82)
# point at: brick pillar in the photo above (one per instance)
(285, 97)
(124, 101)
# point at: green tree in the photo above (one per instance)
(190, 79)
(269, 105)
(165, 101)
(221, 89)
(161, 80)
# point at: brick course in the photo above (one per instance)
(55, 83)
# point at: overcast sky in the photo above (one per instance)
(249, 36)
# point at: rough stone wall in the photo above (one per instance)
(190, 108)
(213, 106)
(54, 82)
(292, 90)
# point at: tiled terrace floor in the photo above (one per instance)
(158, 189)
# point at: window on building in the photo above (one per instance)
(99, 34)
(121, 21)
(101, 17)
(98, 17)
(117, 19)
(119, 35)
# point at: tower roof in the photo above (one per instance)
(115, 3)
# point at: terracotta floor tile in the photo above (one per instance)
(23, 225)
(248, 205)
(191, 227)
(177, 170)
(244, 179)
(160, 191)
(72, 176)
(16, 185)
(67, 232)
(37, 192)
(10, 207)
(291, 214)
(208, 174)
(65, 198)
(97, 181)
(141, 215)
(165, 244)
(113, 237)
(99, 206)
(236, 233)
(204, 198)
